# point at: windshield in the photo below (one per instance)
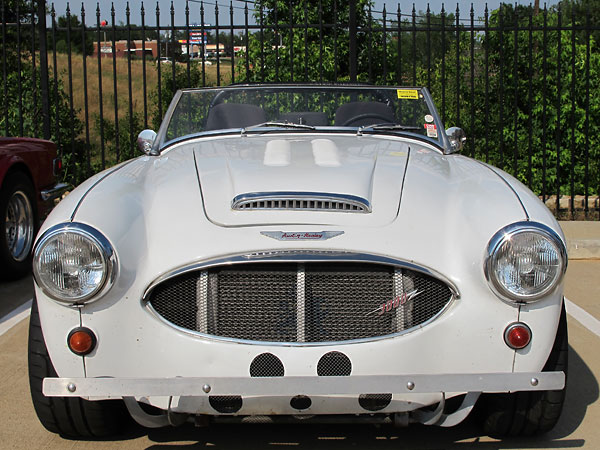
(366, 109)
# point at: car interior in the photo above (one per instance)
(353, 114)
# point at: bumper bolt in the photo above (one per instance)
(206, 388)
(410, 385)
(71, 387)
(534, 381)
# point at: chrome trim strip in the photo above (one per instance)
(302, 255)
(437, 121)
(164, 125)
(507, 233)
(398, 289)
(54, 192)
(109, 255)
(299, 256)
(202, 301)
(300, 303)
(362, 204)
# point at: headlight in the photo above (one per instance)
(525, 261)
(73, 262)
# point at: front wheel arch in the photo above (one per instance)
(528, 413)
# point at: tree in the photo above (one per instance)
(305, 51)
(524, 125)
(63, 38)
(582, 12)
(26, 113)
(418, 50)
(16, 12)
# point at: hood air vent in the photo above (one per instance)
(300, 201)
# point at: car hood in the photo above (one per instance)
(174, 208)
(402, 179)
(367, 168)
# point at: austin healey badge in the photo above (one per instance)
(301, 235)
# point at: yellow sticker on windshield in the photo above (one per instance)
(412, 94)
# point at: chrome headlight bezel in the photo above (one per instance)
(109, 261)
(505, 235)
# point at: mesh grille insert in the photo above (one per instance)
(334, 364)
(300, 302)
(374, 402)
(225, 404)
(300, 402)
(266, 365)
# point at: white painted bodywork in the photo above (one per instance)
(170, 211)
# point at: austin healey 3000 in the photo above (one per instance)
(299, 251)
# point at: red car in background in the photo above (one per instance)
(28, 171)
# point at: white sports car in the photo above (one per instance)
(299, 252)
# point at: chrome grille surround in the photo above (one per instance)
(195, 278)
(301, 201)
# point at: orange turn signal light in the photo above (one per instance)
(81, 341)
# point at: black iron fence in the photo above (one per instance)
(522, 82)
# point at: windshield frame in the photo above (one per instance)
(161, 144)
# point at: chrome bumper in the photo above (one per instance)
(311, 386)
(54, 192)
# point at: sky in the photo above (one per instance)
(209, 6)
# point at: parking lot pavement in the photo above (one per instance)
(15, 293)
(583, 284)
(577, 428)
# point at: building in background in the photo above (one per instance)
(150, 48)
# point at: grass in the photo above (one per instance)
(122, 89)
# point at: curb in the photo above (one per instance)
(583, 248)
(583, 239)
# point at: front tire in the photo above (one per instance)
(528, 413)
(18, 225)
(68, 416)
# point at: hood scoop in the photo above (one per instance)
(301, 201)
(267, 180)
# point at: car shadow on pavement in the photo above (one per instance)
(582, 391)
(245, 436)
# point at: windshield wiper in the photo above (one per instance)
(387, 127)
(277, 124)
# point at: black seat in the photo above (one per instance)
(312, 118)
(234, 115)
(356, 114)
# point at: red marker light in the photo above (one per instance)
(81, 341)
(517, 335)
(56, 166)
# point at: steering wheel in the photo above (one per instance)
(373, 116)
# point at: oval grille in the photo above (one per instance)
(300, 302)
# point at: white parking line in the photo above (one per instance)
(583, 317)
(15, 316)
